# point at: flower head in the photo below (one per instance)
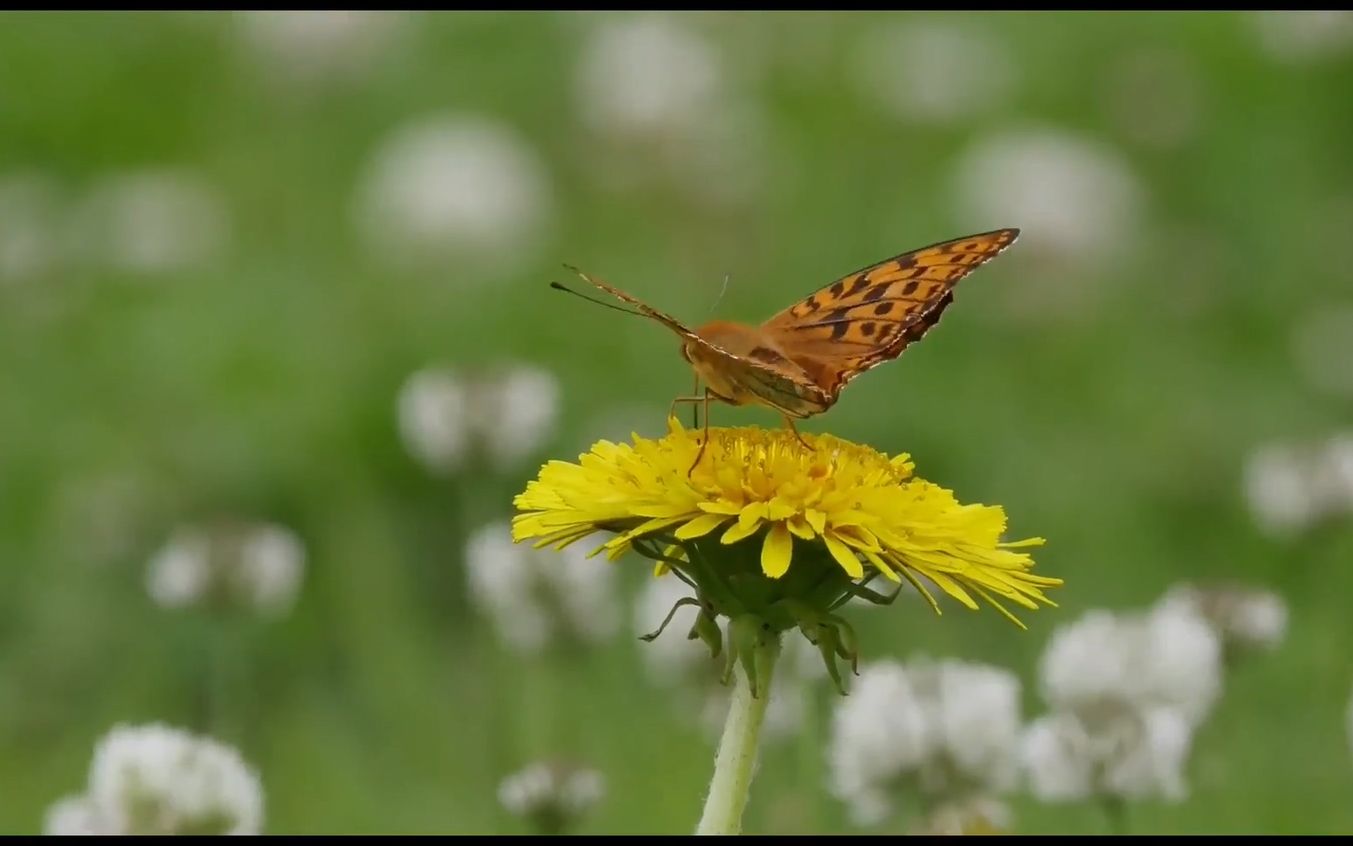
(1123, 752)
(762, 490)
(230, 563)
(154, 779)
(948, 730)
(534, 602)
(1127, 692)
(1245, 617)
(1165, 657)
(980, 815)
(552, 795)
(774, 533)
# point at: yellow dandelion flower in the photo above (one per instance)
(761, 490)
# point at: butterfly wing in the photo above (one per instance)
(868, 317)
(761, 375)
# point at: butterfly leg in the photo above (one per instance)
(695, 391)
(704, 442)
(695, 400)
(789, 421)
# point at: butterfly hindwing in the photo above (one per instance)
(868, 317)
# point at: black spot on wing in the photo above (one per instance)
(877, 293)
(857, 285)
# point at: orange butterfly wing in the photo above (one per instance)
(868, 317)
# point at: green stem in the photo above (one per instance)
(224, 681)
(810, 756)
(1115, 811)
(736, 759)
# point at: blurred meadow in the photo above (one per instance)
(277, 350)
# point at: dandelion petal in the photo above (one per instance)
(738, 531)
(701, 526)
(845, 556)
(775, 552)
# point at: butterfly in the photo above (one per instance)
(798, 361)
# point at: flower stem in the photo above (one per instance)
(1115, 811)
(810, 757)
(736, 759)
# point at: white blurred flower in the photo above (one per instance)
(973, 816)
(1155, 750)
(531, 595)
(501, 586)
(659, 102)
(74, 816)
(255, 565)
(949, 729)
(433, 418)
(931, 71)
(552, 795)
(1322, 344)
(1055, 753)
(1180, 662)
(155, 779)
(879, 733)
(1305, 35)
(647, 75)
(1276, 486)
(1292, 487)
(1166, 657)
(272, 560)
(1074, 199)
(723, 159)
(976, 710)
(508, 412)
(1127, 691)
(306, 46)
(449, 187)
(1337, 469)
(151, 221)
(1244, 617)
(29, 225)
(1113, 751)
(180, 573)
(1155, 97)
(522, 413)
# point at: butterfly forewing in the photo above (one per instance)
(868, 317)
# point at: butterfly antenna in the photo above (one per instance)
(559, 286)
(722, 291)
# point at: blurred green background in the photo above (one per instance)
(227, 241)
